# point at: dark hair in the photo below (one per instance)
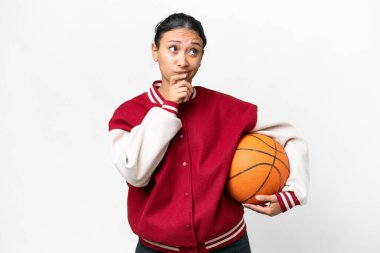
(178, 20)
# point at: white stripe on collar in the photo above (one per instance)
(194, 93)
(150, 96)
(156, 96)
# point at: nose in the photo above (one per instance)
(182, 60)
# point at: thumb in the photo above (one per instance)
(270, 198)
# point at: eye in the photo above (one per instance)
(193, 51)
(173, 48)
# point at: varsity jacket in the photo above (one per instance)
(175, 159)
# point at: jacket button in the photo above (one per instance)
(188, 227)
(181, 136)
(184, 164)
(186, 194)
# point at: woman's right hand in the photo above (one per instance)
(180, 89)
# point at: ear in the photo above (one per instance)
(154, 52)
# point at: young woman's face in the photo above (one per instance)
(180, 52)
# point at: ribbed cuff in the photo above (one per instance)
(287, 200)
(170, 106)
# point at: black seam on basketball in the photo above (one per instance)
(280, 180)
(272, 166)
(263, 152)
(278, 171)
(275, 148)
(247, 169)
(255, 136)
(286, 166)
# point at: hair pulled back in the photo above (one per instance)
(178, 20)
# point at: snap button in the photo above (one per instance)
(184, 164)
(188, 227)
(181, 136)
(186, 194)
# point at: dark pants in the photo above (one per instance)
(240, 246)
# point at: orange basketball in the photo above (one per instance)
(260, 166)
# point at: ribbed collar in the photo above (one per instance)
(155, 96)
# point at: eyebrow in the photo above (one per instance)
(193, 42)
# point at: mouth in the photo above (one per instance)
(181, 72)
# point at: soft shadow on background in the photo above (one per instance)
(66, 65)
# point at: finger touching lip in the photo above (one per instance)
(177, 77)
(182, 72)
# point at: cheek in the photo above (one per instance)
(166, 59)
(196, 64)
(195, 71)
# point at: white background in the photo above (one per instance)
(66, 65)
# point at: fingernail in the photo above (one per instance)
(258, 197)
(184, 75)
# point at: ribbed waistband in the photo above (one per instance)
(230, 236)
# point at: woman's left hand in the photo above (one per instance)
(271, 209)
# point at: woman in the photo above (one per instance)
(174, 145)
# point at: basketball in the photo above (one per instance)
(260, 166)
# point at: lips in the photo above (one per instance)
(181, 72)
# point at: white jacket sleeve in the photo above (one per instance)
(136, 154)
(297, 152)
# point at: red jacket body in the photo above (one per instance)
(185, 204)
